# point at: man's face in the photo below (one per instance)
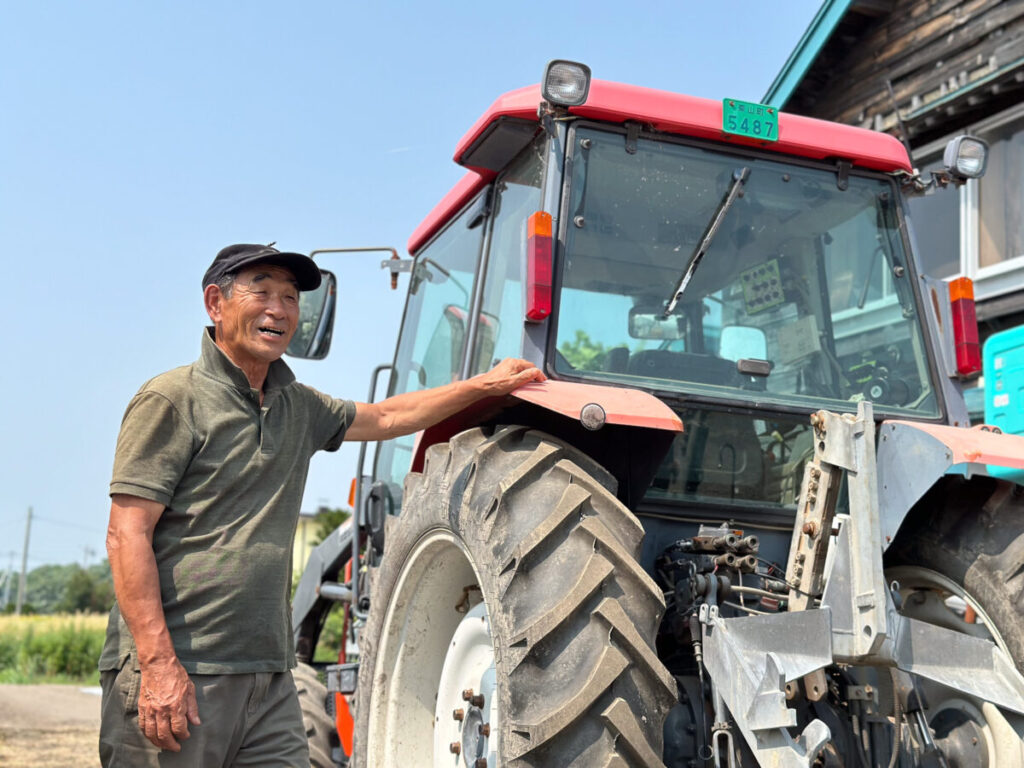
(256, 323)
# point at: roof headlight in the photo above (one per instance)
(566, 83)
(966, 157)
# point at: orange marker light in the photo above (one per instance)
(961, 288)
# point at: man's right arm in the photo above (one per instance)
(167, 701)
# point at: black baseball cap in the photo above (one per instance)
(236, 257)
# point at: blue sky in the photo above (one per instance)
(137, 139)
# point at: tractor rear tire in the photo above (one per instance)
(320, 729)
(530, 527)
(962, 562)
(973, 534)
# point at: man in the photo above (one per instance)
(208, 477)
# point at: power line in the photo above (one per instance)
(67, 524)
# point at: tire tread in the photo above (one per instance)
(557, 552)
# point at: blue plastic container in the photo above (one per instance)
(1003, 363)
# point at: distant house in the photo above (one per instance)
(310, 523)
(925, 71)
(305, 534)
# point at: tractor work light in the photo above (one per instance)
(566, 83)
(966, 157)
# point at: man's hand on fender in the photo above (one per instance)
(167, 704)
(410, 412)
(507, 376)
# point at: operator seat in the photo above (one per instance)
(716, 454)
(616, 360)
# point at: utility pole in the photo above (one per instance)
(7, 582)
(24, 565)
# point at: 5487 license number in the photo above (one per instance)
(744, 118)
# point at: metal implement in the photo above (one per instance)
(751, 660)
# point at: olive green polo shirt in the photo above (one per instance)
(230, 474)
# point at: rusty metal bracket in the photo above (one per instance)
(819, 492)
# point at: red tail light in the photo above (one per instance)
(965, 327)
(538, 266)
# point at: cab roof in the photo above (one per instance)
(512, 120)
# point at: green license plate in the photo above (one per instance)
(743, 118)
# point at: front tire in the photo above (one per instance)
(524, 532)
(320, 729)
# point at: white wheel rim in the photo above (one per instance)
(468, 666)
(1002, 733)
(409, 715)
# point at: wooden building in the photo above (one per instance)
(925, 71)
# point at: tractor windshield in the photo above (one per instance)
(795, 291)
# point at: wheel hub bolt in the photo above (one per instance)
(459, 714)
(477, 701)
(467, 694)
(455, 748)
(484, 730)
(481, 762)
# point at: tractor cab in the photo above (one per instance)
(781, 571)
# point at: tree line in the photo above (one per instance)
(66, 589)
(75, 589)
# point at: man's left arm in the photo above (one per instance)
(412, 411)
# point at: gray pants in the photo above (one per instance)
(247, 720)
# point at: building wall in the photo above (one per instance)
(303, 545)
(925, 71)
(949, 62)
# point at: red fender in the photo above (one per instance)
(978, 445)
(627, 407)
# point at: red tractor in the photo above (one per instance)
(744, 523)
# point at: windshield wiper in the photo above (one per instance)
(739, 178)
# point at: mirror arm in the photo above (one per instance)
(396, 263)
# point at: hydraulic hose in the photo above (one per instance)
(897, 711)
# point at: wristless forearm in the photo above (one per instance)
(420, 409)
(137, 588)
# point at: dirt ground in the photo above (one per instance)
(49, 726)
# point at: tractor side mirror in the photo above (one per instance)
(312, 339)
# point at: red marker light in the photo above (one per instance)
(538, 266)
(343, 721)
(965, 327)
